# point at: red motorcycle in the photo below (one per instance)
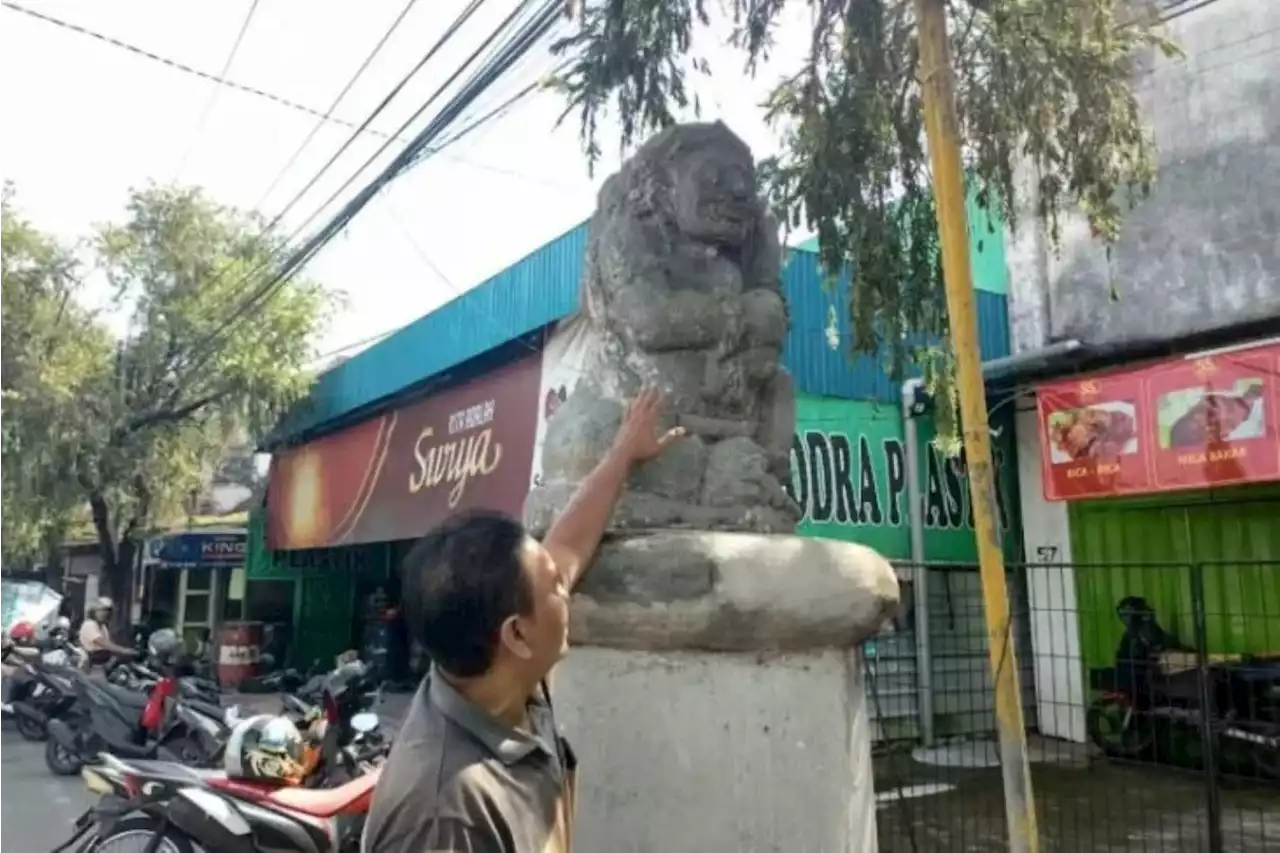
(179, 809)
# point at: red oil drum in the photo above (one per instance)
(239, 648)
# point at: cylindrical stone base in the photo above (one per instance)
(719, 752)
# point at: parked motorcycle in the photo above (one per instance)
(140, 798)
(1153, 696)
(339, 718)
(193, 810)
(42, 688)
(108, 718)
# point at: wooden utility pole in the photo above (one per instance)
(937, 80)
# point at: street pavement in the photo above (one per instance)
(38, 807)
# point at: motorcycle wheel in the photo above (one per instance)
(134, 834)
(1105, 725)
(60, 760)
(30, 729)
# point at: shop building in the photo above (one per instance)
(449, 413)
(1164, 354)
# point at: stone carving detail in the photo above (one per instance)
(682, 288)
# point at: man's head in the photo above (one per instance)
(102, 609)
(483, 596)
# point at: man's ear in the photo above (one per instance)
(512, 636)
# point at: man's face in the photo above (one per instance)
(545, 629)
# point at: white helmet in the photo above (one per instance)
(104, 603)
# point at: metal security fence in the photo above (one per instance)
(1152, 698)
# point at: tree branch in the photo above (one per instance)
(173, 415)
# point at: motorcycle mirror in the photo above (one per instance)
(365, 723)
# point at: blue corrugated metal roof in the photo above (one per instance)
(543, 287)
(536, 290)
(832, 372)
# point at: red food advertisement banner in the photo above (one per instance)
(1214, 420)
(1091, 434)
(1185, 423)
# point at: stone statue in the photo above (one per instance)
(682, 289)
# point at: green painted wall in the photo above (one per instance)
(1144, 546)
(849, 474)
(986, 249)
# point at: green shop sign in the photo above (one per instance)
(849, 475)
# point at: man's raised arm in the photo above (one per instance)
(576, 532)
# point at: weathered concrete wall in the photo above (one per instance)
(703, 752)
(1203, 252)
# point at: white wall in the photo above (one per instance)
(563, 360)
(1051, 587)
(696, 752)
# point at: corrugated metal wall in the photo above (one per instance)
(1141, 547)
(819, 369)
(543, 287)
(529, 294)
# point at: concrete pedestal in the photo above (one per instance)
(702, 752)
(715, 694)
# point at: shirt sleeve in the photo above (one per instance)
(450, 835)
(90, 635)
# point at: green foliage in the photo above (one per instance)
(51, 350)
(143, 417)
(1045, 83)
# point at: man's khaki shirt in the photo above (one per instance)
(460, 781)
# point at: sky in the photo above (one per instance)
(84, 121)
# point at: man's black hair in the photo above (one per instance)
(459, 583)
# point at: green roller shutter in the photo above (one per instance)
(1119, 546)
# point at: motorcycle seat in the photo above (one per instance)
(352, 798)
(126, 697)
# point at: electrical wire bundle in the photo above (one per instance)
(528, 25)
(525, 27)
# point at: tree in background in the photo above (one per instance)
(1043, 83)
(51, 349)
(186, 382)
(167, 397)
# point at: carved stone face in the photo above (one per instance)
(716, 196)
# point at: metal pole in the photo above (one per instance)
(1213, 802)
(938, 89)
(919, 570)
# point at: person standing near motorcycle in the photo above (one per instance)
(478, 766)
(95, 636)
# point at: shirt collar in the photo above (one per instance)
(507, 743)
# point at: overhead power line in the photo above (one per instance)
(217, 90)
(279, 100)
(377, 111)
(537, 28)
(328, 114)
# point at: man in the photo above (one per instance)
(478, 766)
(95, 638)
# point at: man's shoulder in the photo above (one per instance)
(436, 781)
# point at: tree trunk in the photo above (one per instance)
(117, 568)
(119, 583)
(54, 564)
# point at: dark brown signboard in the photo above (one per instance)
(394, 476)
